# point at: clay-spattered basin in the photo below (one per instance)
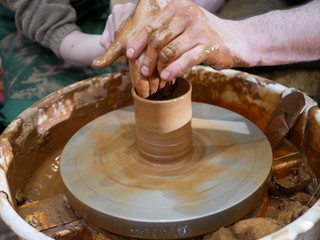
(31, 145)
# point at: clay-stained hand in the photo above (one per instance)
(144, 13)
(183, 35)
(116, 20)
(80, 49)
(121, 14)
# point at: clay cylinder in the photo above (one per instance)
(163, 127)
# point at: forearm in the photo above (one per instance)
(79, 49)
(281, 37)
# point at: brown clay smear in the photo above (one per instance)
(182, 178)
(145, 10)
(163, 127)
(163, 154)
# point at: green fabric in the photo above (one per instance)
(14, 106)
(92, 18)
(31, 71)
(7, 22)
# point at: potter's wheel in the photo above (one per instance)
(111, 186)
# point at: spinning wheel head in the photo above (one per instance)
(220, 180)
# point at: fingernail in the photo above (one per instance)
(165, 75)
(130, 52)
(145, 70)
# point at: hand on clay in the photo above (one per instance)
(144, 13)
(183, 35)
(116, 20)
(80, 49)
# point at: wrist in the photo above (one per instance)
(235, 42)
(252, 42)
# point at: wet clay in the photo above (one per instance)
(163, 127)
(34, 175)
(132, 170)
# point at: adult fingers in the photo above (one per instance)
(112, 53)
(118, 20)
(140, 82)
(138, 41)
(194, 56)
(174, 49)
(158, 39)
(168, 88)
(154, 81)
(170, 37)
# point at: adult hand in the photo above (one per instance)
(183, 35)
(144, 13)
(116, 20)
(80, 49)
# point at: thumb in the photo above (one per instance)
(116, 48)
(112, 53)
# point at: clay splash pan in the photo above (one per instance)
(221, 177)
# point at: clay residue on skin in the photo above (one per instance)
(109, 56)
(167, 53)
(144, 13)
(216, 54)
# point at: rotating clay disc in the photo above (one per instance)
(111, 186)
